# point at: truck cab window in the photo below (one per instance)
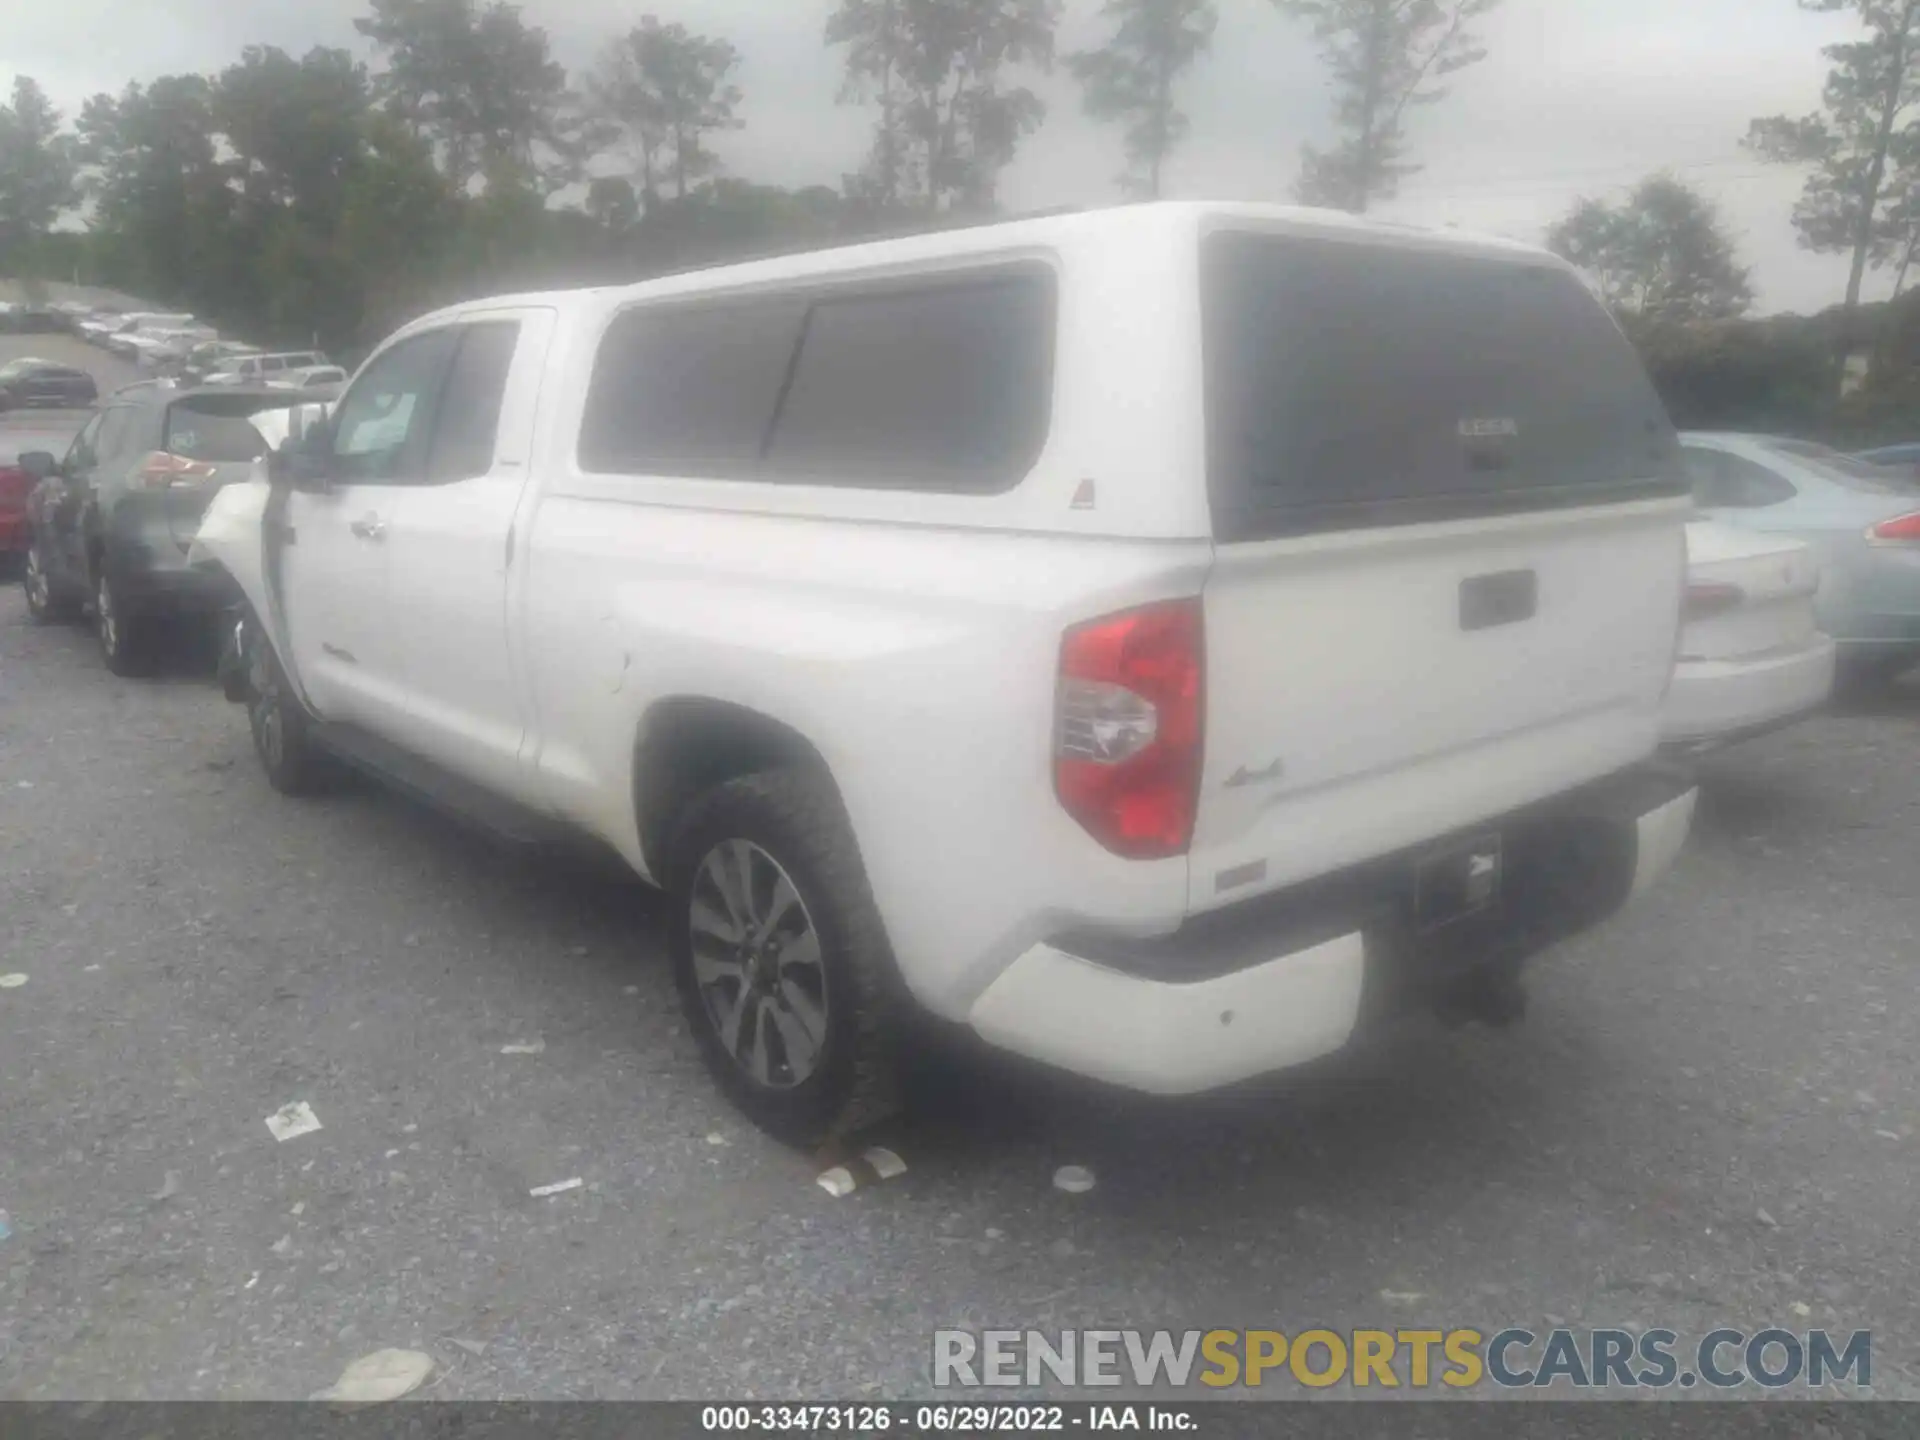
(380, 428)
(469, 416)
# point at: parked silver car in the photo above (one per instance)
(1862, 520)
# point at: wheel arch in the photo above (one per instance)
(688, 744)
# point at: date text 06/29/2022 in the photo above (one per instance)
(1723, 1360)
(940, 1418)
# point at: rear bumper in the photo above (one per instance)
(153, 575)
(1289, 978)
(176, 590)
(1720, 700)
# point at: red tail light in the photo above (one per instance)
(1707, 598)
(159, 470)
(1901, 527)
(1127, 728)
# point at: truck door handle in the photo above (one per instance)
(1506, 598)
(369, 527)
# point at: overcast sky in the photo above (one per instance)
(1578, 97)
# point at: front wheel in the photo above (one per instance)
(782, 964)
(282, 734)
(44, 604)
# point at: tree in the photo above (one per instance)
(161, 200)
(1863, 144)
(1131, 78)
(1386, 56)
(1660, 258)
(613, 203)
(38, 173)
(660, 91)
(481, 86)
(874, 36)
(950, 121)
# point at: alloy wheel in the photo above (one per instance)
(758, 966)
(39, 592)
(266, 713)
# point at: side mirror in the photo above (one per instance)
(303, 463)
(38, 463)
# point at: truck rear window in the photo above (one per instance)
(218, 439)
(1351, 385)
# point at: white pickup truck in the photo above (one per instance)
(1163, 639)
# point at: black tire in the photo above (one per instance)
(125, 635)
(795, 819)
(282, 730)
(45, 604)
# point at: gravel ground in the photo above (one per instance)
(1708, 1118)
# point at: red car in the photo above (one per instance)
(20, 432)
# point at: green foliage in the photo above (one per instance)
(1132, 77)
(1660, 258)
(1739, 375)
(158, 185)
(38, 174)
(657, 93)
(1385, 57)
(950, 120)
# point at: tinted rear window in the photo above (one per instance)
(217, 439)
(688, 389)
(941, 385)
(950, 387)
(1358, 384)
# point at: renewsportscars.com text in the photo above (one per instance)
(1513, 1358)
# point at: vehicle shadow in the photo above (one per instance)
(1898, 700)
(185, 650)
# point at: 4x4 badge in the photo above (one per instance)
(1244, 777)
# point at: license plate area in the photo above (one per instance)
(1457, 881)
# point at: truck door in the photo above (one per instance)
(452, 552)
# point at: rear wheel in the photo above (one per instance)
(781, 961)
(126, 636)
(44, 604)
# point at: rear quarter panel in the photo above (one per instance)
(919, 663)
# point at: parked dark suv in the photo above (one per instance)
(111, 521)
(29, 383)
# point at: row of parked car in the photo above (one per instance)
(1155, 686)
(181, 347)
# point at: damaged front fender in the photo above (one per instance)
(243, 532)
(229, 539)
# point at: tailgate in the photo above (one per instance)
(1363, 696)
(1449, 515)
(1749, 594)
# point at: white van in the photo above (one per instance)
(1163, 639)
(263, 368)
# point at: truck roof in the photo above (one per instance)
(1146, 225)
